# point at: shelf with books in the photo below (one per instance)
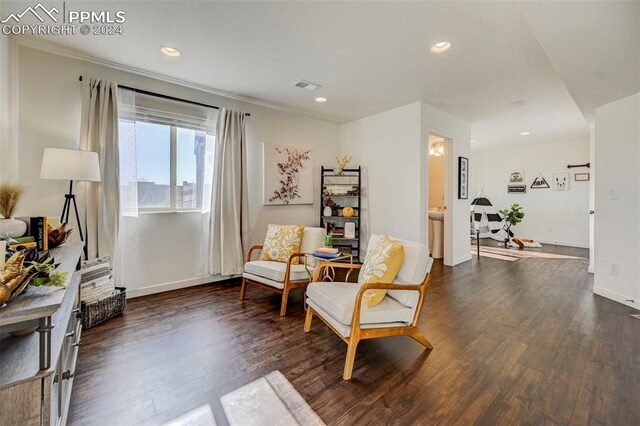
(344, 190)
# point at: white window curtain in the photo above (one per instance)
(135, 108)
(99, 133)
(127, 258)
(229, 218)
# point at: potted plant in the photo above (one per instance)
(10, 195)
(511, 218)
(328, 206)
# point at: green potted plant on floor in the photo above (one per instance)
(511, 218)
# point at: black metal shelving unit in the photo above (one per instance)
(330, 182)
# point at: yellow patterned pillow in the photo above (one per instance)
(281, 242)
(381, 265)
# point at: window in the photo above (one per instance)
(173, 154)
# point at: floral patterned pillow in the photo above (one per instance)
(381, 265)
(281, 242)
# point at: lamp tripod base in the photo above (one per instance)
(70, 199)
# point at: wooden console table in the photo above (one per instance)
(36, 370)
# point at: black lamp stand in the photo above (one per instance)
(69, 199)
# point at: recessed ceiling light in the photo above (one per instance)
(321, 99)
(472, 141)
(441, 47)
(525, 133)
(170, 51)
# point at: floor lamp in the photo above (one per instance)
(71, 165)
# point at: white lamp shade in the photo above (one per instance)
(70, 164)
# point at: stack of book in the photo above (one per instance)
(327, 253)
(338, 232)
(36, 235)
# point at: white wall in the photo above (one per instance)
(392, 147)
(387, 146)
(8, 94)
(49, 116)
(456, 223)
(550, 216)
(617, 200)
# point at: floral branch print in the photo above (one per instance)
(290, 175)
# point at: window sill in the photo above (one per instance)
(151, 211)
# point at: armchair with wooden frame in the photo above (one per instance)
(282, 277)
(339, 304)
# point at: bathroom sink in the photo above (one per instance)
(436, 215)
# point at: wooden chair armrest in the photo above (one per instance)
(256, 247)
(322, 265)
(421, 288)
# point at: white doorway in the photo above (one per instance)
(439, 184)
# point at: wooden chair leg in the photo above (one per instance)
(243, 289)
(307, 319)
(283, 304)
(418, 337)
(351, 356)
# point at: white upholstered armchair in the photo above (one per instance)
(282, 277)
(340, 304)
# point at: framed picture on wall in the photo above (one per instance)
(463, 178)
(516, 189)
(560, 181)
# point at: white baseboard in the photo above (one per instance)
(461, 259)
(175, 285)
(563, 243)
(617, 297)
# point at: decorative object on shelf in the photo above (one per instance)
(15, 277)
(512, 217)
(539, 182)
(560, 181)
(58, 236)
(342, 164)
(328, 207)
(288, 175)
(71, 165)
(516, 189)
(582, 177)
(348, 212)
(463, 178)
(349, 230)
(516, 176)
(10, 194)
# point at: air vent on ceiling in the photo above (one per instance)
(307, 85)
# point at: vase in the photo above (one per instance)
(327, 211)
(337, 170)
(12, 228)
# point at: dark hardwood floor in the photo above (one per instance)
(522, 342)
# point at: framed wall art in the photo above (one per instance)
(288, 175)
(516, 189)
(560, 181)
(463, 178)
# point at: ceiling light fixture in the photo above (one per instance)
(472, 141)
(441, 47)
(321, 99)
(170, 51)
(436, 149)
(525, 133)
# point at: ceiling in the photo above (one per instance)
(561, 59)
